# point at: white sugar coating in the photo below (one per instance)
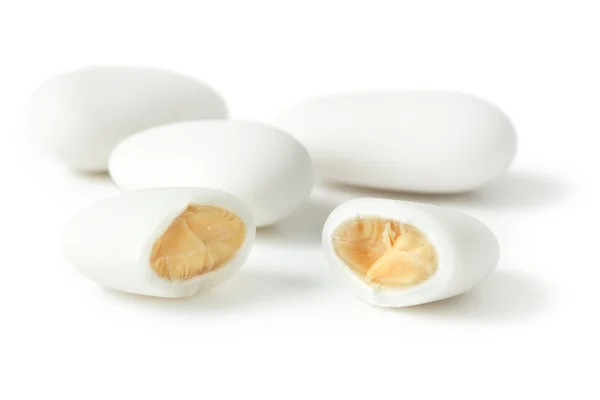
(264, 166)
(120, 242)
(433, 142)
(81, 115)
(455, 250)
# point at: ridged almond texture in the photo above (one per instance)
(384, 252)
(199, 240)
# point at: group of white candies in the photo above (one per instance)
(196, 185)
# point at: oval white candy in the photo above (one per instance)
(111, 242)
(264, 166)
(435, 142)
(467, 251)
(83, 114)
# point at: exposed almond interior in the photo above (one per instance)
(201, 239)
(384, 252)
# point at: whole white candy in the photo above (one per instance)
(264, 166)
(83, 114)
(436, 142)
(165, 242)
(396, 253)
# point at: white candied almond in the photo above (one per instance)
(265, 167)
(396, 253)
(164, 242)
(426, 141)
(81, 115)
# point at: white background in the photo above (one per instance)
(283, 328)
